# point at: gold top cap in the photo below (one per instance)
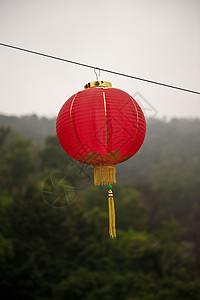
(98, 84)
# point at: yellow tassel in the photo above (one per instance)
(110, 217)
(111, 207)
(104, 174)
(113, 218)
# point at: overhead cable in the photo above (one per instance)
(101, 69)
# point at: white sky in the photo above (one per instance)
(154, 39)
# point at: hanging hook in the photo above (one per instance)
(97, 72)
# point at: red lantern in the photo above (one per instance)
(101, 126)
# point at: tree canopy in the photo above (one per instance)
(51, 252)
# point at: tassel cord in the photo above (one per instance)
(111, 207)
(113, 218)
(110, 218)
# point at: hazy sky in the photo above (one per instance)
(154, 39)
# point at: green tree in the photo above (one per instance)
(18, 164)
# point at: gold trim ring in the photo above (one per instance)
(98, 84)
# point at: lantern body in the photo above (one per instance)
(101, 126)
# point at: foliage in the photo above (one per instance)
(65, 253)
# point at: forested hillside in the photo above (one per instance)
(30, 126)
(61, 250)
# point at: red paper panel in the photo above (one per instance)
(101, 125)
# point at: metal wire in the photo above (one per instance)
(97, 72)
(101, 69)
